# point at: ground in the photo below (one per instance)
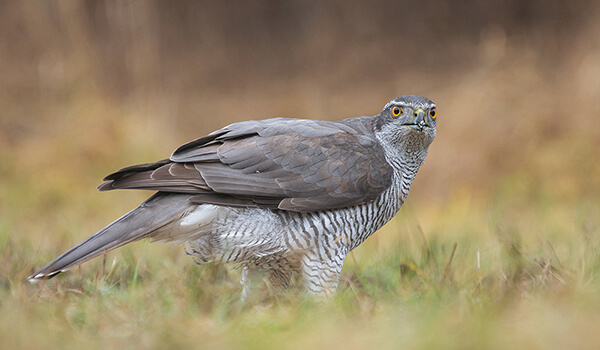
(498, 245)
(464, 274)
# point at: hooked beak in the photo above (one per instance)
(419, 122)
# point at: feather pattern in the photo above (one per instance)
(282, 195)
(288, 164)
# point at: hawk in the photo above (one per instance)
(279, 195)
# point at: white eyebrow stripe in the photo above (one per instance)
(392, 103)
(402, 104)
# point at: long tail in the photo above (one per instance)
(159, 210)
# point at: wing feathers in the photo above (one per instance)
(290, 164)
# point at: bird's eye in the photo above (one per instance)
(432, 113)
(396, 111)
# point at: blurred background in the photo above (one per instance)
(88, 87)
(498, 245)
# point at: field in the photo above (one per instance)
(468, 274)
(498, 245)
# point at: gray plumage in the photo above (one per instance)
(279, 195)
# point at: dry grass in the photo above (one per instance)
(513, 264)
(474, 276)
(497, 247)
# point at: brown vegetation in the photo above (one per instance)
(500, 235)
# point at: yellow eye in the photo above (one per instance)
(396, 111)
(432, 113)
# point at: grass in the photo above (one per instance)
(498, 246)
(458, 275)
(512, 263)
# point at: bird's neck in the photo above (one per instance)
(405, 155)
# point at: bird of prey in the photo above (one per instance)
(283, 196)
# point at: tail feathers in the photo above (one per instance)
(158, 211)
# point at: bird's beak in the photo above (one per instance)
(419, 122)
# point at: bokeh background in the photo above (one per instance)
(92, 83)
(88, 87)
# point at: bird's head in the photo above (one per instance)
(409, 121)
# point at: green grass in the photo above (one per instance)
(515, 265)
(497, 248)
(460, 275)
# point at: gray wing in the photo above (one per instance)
(288, 164)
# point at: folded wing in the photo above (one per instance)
(287, 164)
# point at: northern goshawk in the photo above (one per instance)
(277, 195)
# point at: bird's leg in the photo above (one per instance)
(245, 284)
(321, 277)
